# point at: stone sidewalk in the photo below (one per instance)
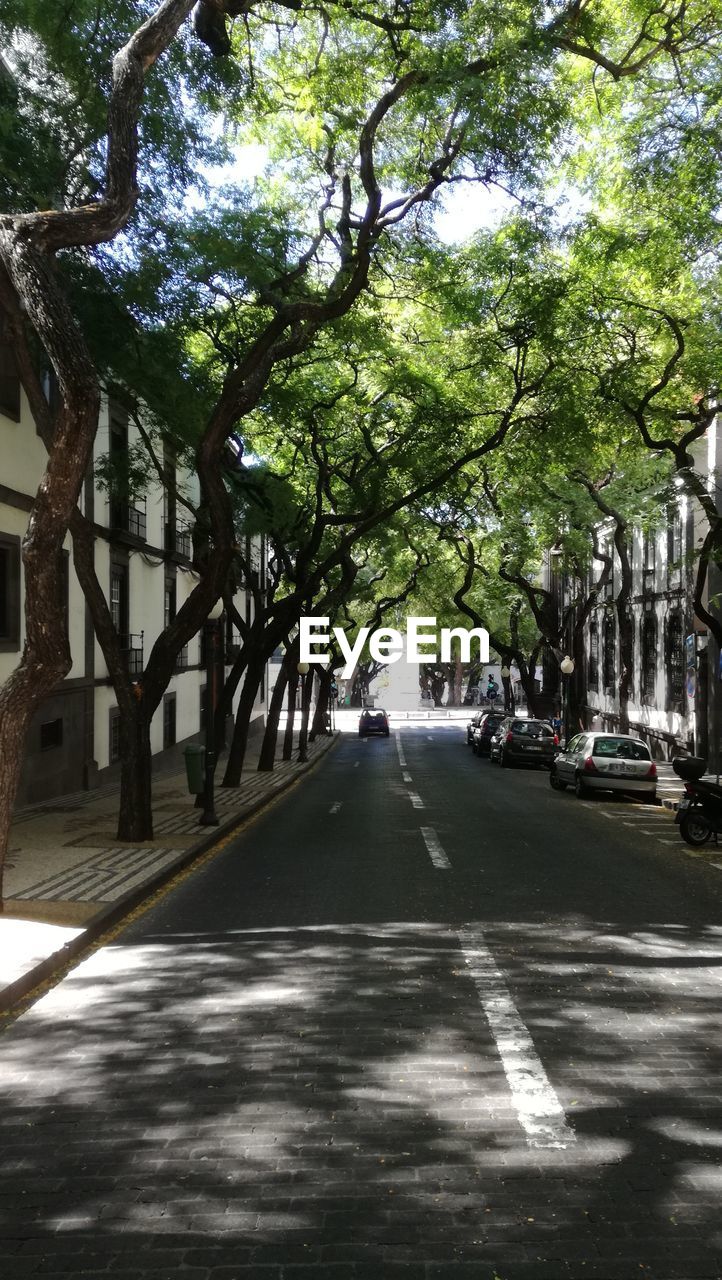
(67, 877)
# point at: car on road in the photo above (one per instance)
(605, 762)
(472, 725)
(375, 721)
(523, 742)
(482, 733)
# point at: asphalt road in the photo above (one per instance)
(424, 1018)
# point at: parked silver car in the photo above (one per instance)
(605, 762)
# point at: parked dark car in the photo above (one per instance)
(605, 762)
(472, 725)
(373, 722)
(523, 742)
(488, 724)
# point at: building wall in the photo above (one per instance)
(682, 707)
(69, 743)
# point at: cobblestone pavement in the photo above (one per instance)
(425, 1019)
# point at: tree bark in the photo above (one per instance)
(325, 676)
(135, 819)
(291, 716)
(267, 758)
(237, 753)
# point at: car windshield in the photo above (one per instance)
(491, 722)
(531, 729)
(620, 749)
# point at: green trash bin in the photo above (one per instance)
(195, 758)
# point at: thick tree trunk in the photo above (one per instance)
(319, 719)
(135, 819)
(267, 758)
(528, 684)
(237, 753)
(291, 716)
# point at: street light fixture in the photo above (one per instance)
(212, 637)
(303, 669)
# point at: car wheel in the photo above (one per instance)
(555, 780)
(580, 791)
(361, 733)
(694, 829)
(386, 732)
(506, 761)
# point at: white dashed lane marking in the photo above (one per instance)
(436, 853)
(335, 807)
(416, 800)
(540, 1112)
(406, 777)
(399, 748)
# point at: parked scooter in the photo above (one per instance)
(699, 815)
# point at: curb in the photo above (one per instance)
(112, 914)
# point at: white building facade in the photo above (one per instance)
(143, 560)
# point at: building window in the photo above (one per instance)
(119, 598)
(114, 736)
(169, 606)
(51, 735)
(610, 643)
(168, 721)
(675, 549)
(649, 657)
(649, 551)
(676, 661)
(9, 593)
(607, 592)
(593, 654)
(9, 380)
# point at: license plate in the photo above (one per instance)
(530, 748)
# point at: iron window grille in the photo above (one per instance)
(593, 654)
(610, 641)
(649, 658)
(676, 661)
(132, 647)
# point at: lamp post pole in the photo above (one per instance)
(567, 669)
(303, 735)
(212, 630)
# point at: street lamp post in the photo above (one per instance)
(212, 636)
(506, 682)
(566, 667)
(302, 669)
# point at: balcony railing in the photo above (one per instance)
(178, 539)
(128, 519)
(132, 646)
(181, 662)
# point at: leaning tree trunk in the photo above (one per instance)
(237, 753)
(291, 715)
(267, 758)
(319, 717)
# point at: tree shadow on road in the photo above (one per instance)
(332, 1097)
